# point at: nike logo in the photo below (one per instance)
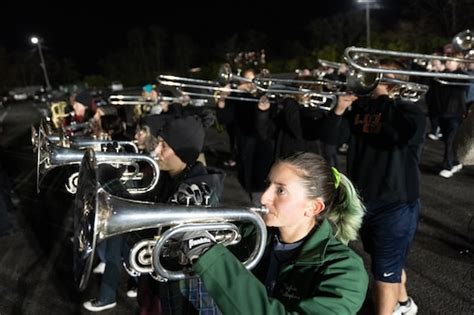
(388, 274)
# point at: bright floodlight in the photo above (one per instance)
(35, 40)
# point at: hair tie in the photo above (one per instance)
(337, 177)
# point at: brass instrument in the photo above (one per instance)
(145, 106)
(58, 113)
(263, 86)
(364, 73)
(445, 82)
(131, 100)
(406, 90)
(81, 143)
(329, 64)
(142, 105)
(463, 41)
(225, 76)
(99, 215)
(46, 130)
(50, 156)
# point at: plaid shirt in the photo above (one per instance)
(186, 297)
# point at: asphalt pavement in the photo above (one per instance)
(36, 257)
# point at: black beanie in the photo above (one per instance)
(85, 98)
(185, 136)
(155, 122)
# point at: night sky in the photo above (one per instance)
(88, 30)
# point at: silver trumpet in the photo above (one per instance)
(46, 130)
(50, 156)
(96, 145)
(100, 215)
(81, 143)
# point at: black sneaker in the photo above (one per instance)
(95, 305)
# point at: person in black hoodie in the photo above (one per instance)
(254, 154)
(385, 146)
(450, 100)
(294, 125)
(178, 145)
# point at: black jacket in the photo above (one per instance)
(294, 127)
(384, 149)
(445, 99)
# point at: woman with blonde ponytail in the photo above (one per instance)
(307, 268)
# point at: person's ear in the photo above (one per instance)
(315, 207)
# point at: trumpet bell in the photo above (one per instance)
(85, 218)
(34, 138)
(50, 156)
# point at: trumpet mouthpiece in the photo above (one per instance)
(260, 210)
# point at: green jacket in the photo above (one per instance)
(327, 277)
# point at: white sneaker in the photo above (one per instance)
(456, 168)
(408, 309)
(100, 268)
(433, 136)
(343, 148)
(446, 173)
(97, 306)
(132, 293)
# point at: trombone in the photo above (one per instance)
(329, 64)
(115, 99)
(140, 100)
(444, 82)
(364, 73)
(263, 85)
(463, 41)
(313, 99)
(217, 89)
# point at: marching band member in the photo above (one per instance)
(178, 145)
(387, 137)
(254, 154)
(314, 211)
(292, 125)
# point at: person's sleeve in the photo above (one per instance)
(330, 127)
(341, 290)
(226, 115)
(403, 126)
(264, 124)
(291, 114)
(234, 289)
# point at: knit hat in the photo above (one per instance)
(185, 136)
(85, 98)
(154, 122)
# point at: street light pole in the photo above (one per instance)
(367, 22)
(37, 41)
(368, 5)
